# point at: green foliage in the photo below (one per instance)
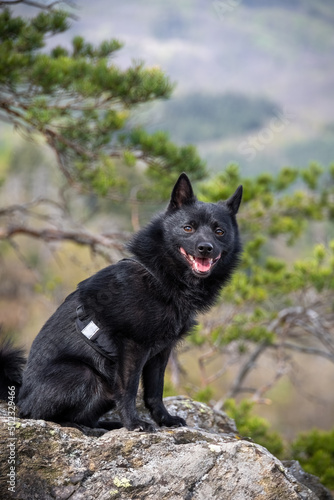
(169, 388)
(253, 426)
(20, 39)
(162, 154)
(80, 102)
(315, 452)
(204, 395)
(241, 329)
(196, 336)
(271, 209)
(311, 175)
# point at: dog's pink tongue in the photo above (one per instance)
(202, 265)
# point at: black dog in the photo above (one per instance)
(122, 323)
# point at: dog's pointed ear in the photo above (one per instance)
(233, 203)
(182, 193)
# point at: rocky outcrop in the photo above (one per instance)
(205, 461)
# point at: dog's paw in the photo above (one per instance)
(141, 426)
(173, 421)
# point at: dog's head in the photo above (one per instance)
(203, 234)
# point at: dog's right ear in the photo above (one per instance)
(233, 203)
(182, 193)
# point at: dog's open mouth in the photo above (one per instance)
(199, 265)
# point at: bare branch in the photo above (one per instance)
(201, 362)
(308, 320)
(40, 5)
(305, 350)
(176, 368)
(281, 370)
(26, 208)
(301, 317)
(116, 241)
(246, 368)
(286, 315)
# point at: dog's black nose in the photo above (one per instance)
(205, 248)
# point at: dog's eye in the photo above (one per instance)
(188, 229)
(219, 231)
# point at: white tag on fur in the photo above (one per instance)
(90, 330)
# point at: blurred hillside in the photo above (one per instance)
(239, 55)
(253, 80)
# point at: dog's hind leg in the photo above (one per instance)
(66, 392)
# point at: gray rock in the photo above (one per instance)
(205, 461)
(312, 482)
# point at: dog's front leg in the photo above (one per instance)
(153, 381)
(131, 363)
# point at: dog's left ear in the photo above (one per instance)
(233, 203)
(182, 193)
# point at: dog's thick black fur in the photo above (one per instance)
(142, 307)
